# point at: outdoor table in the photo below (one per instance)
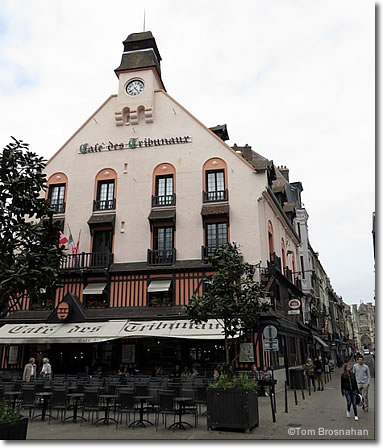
(45, 396)
(181, 405)
(106, 418)
(76, 397)
(141, 420)
(13, 397)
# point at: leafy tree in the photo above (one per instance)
(232, 296)
(30, 254)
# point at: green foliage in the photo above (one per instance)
(30, 255)
(238, 382)
(8, 414)
(233, 297)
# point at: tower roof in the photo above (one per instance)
(140, 51)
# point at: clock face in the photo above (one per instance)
(134, 87)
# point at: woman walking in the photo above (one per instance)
(309, 370)
(349, 388)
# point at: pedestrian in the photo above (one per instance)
(309, 371)
(186, 371)
(266, 376)
(255, 372)
(362, 375)
(349, 388)
(319, 372)
(46, 370)
(29, 370)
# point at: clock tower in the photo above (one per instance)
(139, 76)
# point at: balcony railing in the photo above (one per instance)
(109, 204)
(58, 207)
(161, 257)
(159, 201)
(85, 260)
(215, 196)
(206, 251)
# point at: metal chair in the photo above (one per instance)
(165, 407)
(190, 407)
(126, 405)
(90, 403)
(59, 401)
(28, 400)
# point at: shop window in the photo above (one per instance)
(105, 196)
(160, 293)
(56, 197)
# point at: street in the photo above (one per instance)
(320, 416)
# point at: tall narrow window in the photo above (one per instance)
(216, 235)
(270, 237)
(215, 185)
(56, 197)
(303, 268)
(105, 196)
(163, 246)
(164, 191)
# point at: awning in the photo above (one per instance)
(107, 219)
(215, 210)
(163, 215)
(92, 332)
(86, 332)
(321, 341)
(94, 288)
(159, 285)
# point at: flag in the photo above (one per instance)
(76, 249)
(62, 238)
(70, 238)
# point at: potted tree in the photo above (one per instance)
(235, 300)
(13, 425)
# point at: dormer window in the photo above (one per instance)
(214, 181)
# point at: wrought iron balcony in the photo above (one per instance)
(159, 201)
(275, 262)
(83, 260)
(109, 204)
(161, 257)
(58, 207)
(206, 251)
(215, 196)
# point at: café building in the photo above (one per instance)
(146, 191)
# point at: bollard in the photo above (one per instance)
(274, 399)
(295, 395)
(286, 405)
(309, 387)
(272, 406)
(303, 394)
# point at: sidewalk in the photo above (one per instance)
(320, 416)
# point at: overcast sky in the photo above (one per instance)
(292, 78)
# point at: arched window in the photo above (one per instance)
(105, 190)
(270, 235)
(283, 249)
(57, 191)
(214, 180)
(164, 185)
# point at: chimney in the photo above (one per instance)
(285, 172)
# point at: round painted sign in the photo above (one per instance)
(294, 304)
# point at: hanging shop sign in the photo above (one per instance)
(133, 143)
(294, 304)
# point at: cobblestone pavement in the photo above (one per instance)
(320, 416)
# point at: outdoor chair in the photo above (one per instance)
(28, 400)
(126, 406)
(200, 397)
(190, 407)
(58, 401)
(90, 403)
(141, 389)
(165, 407)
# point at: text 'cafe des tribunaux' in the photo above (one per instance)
(147, 192)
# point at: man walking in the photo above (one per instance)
(362, 375)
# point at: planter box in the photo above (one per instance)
(16, 430)
(233, 408)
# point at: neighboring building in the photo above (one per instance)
(364, 325)
(149, 192)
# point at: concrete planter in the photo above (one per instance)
(16, 430)
(232, 408)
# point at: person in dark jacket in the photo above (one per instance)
(318, 367)
(349, 388)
